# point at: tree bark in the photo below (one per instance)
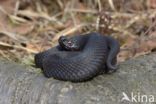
(25, 85)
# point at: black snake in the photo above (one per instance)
(79, 58)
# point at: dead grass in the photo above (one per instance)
(30, 26)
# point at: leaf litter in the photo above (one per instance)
(29, 26)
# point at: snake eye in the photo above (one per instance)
(62, 38)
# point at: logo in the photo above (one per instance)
(137, 98)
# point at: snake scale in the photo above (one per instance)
(79, 58)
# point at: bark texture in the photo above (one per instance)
(25, 85)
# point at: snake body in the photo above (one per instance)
(92, 55)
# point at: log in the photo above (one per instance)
(20, 84)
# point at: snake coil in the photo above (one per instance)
(79, 58)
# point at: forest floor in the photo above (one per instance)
(29, 26)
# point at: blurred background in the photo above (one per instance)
(31, 26)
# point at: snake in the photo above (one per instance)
(79, 58)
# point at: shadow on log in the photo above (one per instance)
(24, 85)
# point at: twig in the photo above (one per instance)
(13, 18)
(32, 14)
(11, 35)
(83, 11)
(16, 7)
(38, 7)
(111, 4)
(68, 31)
(120, 29)
(17, 20)
(134, 19)
(113, 14)
(99, 5)
(18, 47)
(5, 56)
(98, 17)
(72, 14)
(97, 23)
(142, 16)
(3, 10)
(150, 27)
(60, 3)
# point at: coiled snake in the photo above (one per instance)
(79, 58)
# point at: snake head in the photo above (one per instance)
(68, 44)
(62, 39)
